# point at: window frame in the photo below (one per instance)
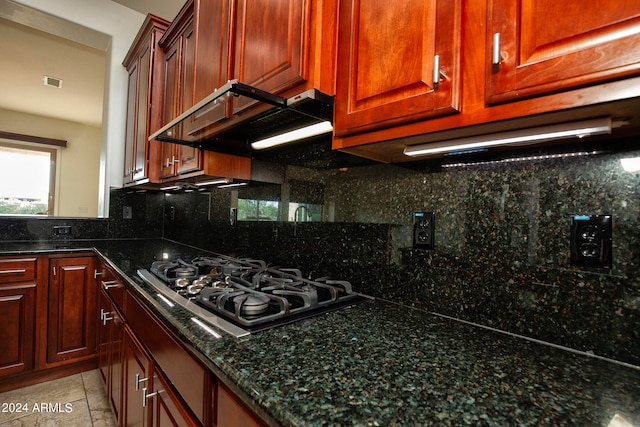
(39, 144)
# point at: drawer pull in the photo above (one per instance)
(13, 271)
(140, 380)
(104, 316)
(110, 284)
(97, 273)
(146, 395)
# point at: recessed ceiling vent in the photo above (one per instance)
(52, 81)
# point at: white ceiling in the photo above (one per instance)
(28, 54)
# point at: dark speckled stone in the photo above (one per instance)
(501, 255)
(383, 364)
(380, 363)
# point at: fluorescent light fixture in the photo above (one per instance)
(239, 184)
(213, 182)
(523, 159)
(631, 164)
(171, 187)
(294, 135)
(517, 137)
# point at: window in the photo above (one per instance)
(257, 210)
(27, 179)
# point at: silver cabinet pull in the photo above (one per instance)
(436, 70)
(496, 55)
(104, 315)
(146, 395)
(110, 284)
(13, 271)
(174, 160)
(168, 163)
(140, 380)
(97, 273)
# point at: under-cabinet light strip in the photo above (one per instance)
(528, 136)
(294, 135)
(523, 159)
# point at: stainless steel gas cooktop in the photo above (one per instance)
(244, 295)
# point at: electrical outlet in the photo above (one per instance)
(591, 240)
(127, 212)
(62, 230)
(423, 230)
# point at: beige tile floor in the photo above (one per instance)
(77, 400)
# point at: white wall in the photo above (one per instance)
(76, 176)
(122, 25)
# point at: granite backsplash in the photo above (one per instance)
(501, 256)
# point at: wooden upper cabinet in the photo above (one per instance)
(144, 113)
(549, 46)
(270, 44)
(387, 54)
(179, 76)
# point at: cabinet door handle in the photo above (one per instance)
(140, 380)
(97, 273)
(110, 284)
(13, 271)
(168, 163)
(104, 315)
(174, 160)
(146, 395)
(496, 55)
(436, 70)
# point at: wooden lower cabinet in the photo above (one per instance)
(17, 327)
(18, 284)
(135, 381)
(71, 333)
(231, 413)
(168, 410)
(110, 350)
(47, 311)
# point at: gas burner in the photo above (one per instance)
(247, 291)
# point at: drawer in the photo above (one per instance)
(112, 284)
(190, 379)
(17, 269)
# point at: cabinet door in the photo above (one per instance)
(17, 327)
(71, 329)
(130, 133)
(271, 46)
(103, 337)
(167, 407)
(548, 46)
(141, 151)
(230, 413)
(388, 57)
(171, 98)
(110, 351)
(136, 376)
(187, 158)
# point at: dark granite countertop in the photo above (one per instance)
(383, 364)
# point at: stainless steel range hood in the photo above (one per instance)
(236, 114)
